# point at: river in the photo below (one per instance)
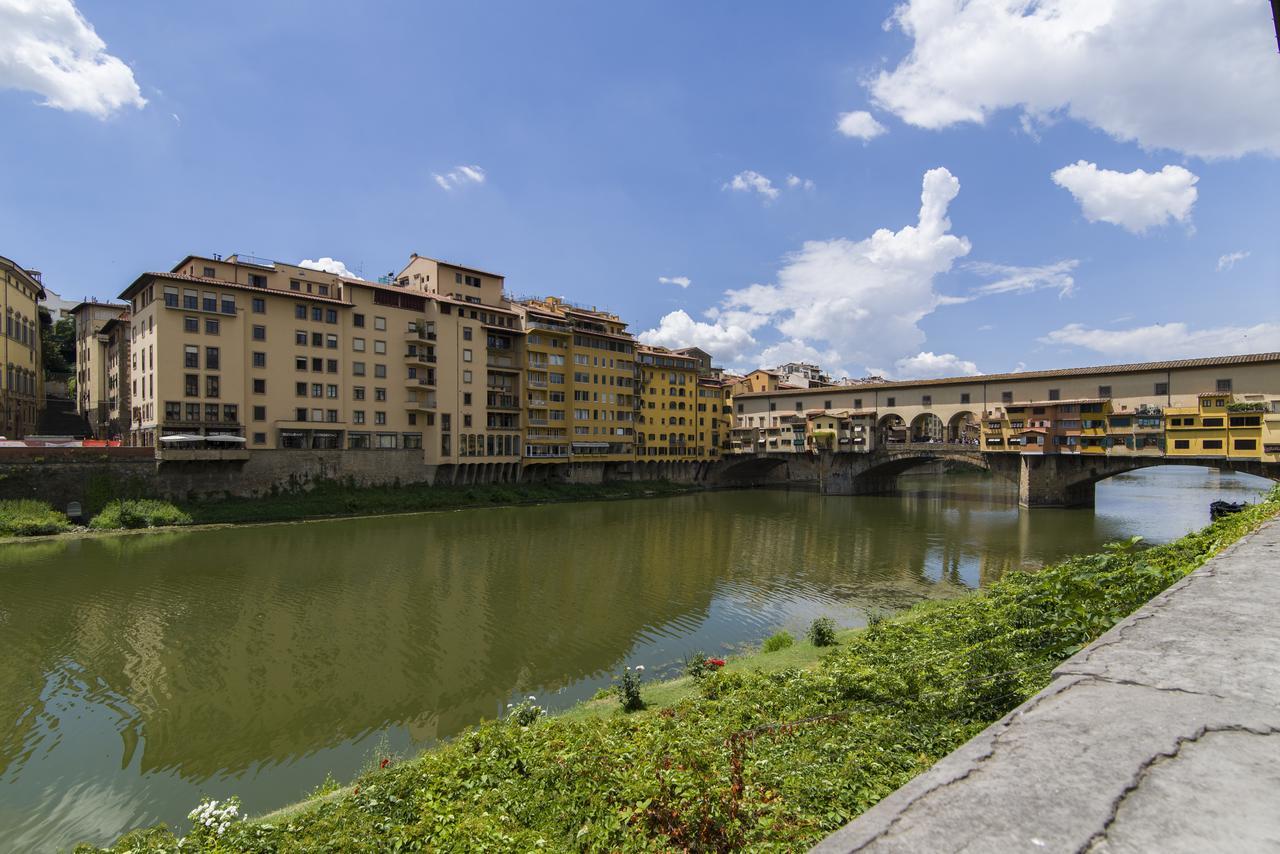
(140, 673)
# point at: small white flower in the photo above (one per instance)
(532, 698)
(639, 668)
(508, 705)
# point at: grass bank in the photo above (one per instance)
(27, 518)
(753, 756)
(335, 499)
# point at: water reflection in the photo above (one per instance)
(141, 672)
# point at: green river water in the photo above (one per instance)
(140, 673)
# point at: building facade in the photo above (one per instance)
(95, 386)
(22, 384)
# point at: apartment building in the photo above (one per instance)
(292, 358)
(715, 413)
(581, 382)
(22, 388)
(95, 386)
(666, 420)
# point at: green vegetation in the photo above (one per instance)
(777, 641)
(822, 632)
(139, 513)
(338, 499)
(1255, 406)
(25, 517)
(750, 756)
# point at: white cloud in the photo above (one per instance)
(1134, 200)
(459, 176)
(1193, 76)
(679, 281)
(859, 124)
(47, 47)
(727, 337)
(795, 181)
(750, 181)
(328, 265)
(928, 365)
(1169, 340)
(1020, 280)
(1226, 262)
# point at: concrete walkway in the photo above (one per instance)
(1163, 735)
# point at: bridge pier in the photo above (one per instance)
(1055, 481)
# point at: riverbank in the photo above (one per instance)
(333, 500)
(750, 756)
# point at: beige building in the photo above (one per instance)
(22, 383)
(667, 420)
(95, 387)
(288, 357)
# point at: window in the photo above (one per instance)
(300, 414)
(466, 420)
(259, 333)
(317, 339)
(259, 438)
(1006, 397)
(331, 390)
(190, 324)
(193, 411)
(209, 302)
(1223, 386)
(211, 412)
(172, 411)
(317, 313)
(1162, 388)
(211, 358)
(379, 347)
(190, 299)
(212, 326)
(210, 386)
(331, 342)
(191, 356)
(1055, 394)
(1246, 420)
(295, 285)
(357, 320)
(259, 305)
(357, 369)
(257, 280)
(466, 377)
(330, 315)
(891, 401)
(1211, 422)
(230, 413)
(964, 397)
(380, 371)
(379, 418)
(412, 441)
(1181, 444)
(1212, 444)
(466, 398)
(259, 413)
(357, 392)
(331, 415)
(380, 323)
(357, 344)
(228, 304)
(380, 394)
(926, 400)
(259, 386)
(323, 290)
(300, 311)
(466, 333)
(210, 273)
(317, 389)
(357, 416)
(300, 389)
(1244, 445)
(466, 355)
(741, 408)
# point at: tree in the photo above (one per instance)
(58, 346)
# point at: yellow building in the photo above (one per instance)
(22, 384)
(666, 426)
(596, 379)
(715, 415)
(93, 380)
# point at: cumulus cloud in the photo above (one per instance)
(750, 181)
(796, 182)
(1020, 280)
(1188, 75)
(928, 365)
(49, 48)
(460, 176)
(1136, 200)
(328, 265)
(678, 281)
(859, 124)
(1168, 340)
(728, 337)
(1226, 262)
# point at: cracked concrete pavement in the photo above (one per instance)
(1162, 735)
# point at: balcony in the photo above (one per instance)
(495, 400)
(504, 363)
(419, 335)
(416, 382)
(535, 382)
(421, 358)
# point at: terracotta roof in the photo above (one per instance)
(441, 261)
(220, 283)
(1098, 370)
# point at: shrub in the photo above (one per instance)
(696, 666)
(822, 632)
(139, 513)
(629, 689)
(26, 518)
(524, 712)
(777, 641)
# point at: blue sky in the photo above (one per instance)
(1109, 191)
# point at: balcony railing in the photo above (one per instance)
(505, 362)
(502, 401)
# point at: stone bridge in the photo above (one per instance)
(1043, 480)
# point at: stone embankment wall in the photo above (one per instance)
(94, 476)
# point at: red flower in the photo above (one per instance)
(716, 662)
(384, 763)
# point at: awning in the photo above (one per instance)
(225, 437)
(179, 437)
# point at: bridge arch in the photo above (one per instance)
(927, 427)
(751, 470)
(891, 430)
(964, 428)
